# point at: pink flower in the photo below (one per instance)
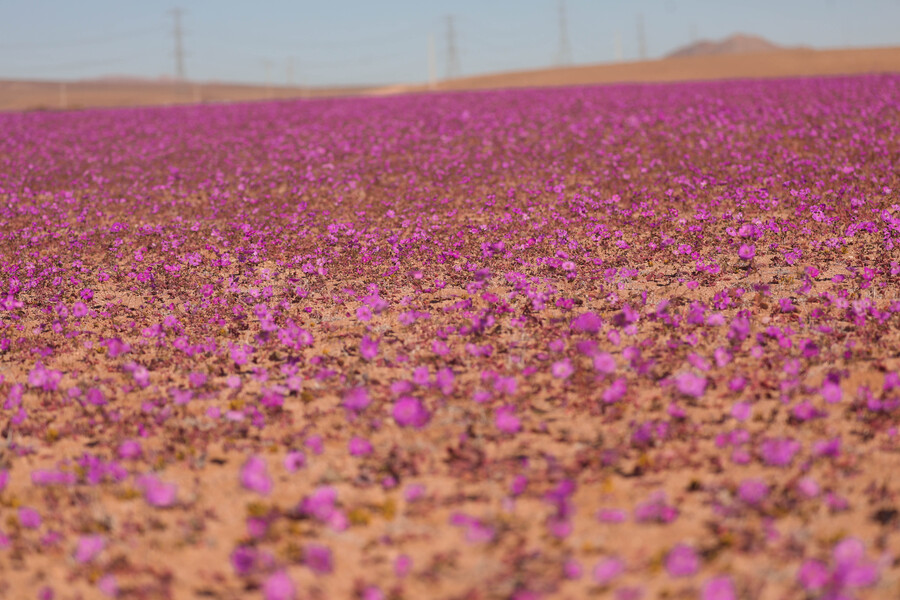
(294, 461)
(356, 399)
(279, 587)
(691, 385)
(29, 518)
(587, 322)
(831, 392)
(747, 251)
(506, 420)
(608, 569)
(368, 348)
(318, 558)
(682, 561)
(360, 446)
(562, 369)
(89, 546)
(616, 391)
(604, 363)
(255, 476)
(157, 493)
(410, 412)
(718, 588)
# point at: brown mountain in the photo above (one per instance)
(739, 43)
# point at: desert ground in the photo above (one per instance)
(628, 341)
(44, 95)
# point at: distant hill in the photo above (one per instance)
(739, 43)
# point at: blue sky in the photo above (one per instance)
(385, 41)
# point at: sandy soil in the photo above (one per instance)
(30, 95)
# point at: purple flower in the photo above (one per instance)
(368, 348)
(813, 575)
(831, 392)
(79, 310)
(753, 491)
(779, 452)
(294, 461)
(356, 399)
(718, 588)
(410, 412)
(682, 561)
(158, 493)
(604, 363)
(89, 546)
(360, 446)
(29, 518)
(279, 587)
(255, 475)
(243, 560)
(318, 558)
(562, 369)
(608, 569)
(506, 420)
(402, 565)
(616, 391)
(741, 410)
(691, 385)
(587, 322)
(747, 251)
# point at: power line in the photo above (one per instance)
(125, 35)
(453, 69)
(178, 34)
(564, 53)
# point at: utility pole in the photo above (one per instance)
(178, 34)
(453, 69)
(432, 63)
(642, 38)
(268, 66)
(564, 53)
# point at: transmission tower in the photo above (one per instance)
(178, 34)
(564, 53)
(453, 69)
(642, 38)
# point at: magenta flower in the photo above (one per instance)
(506, 420)
(158, 493)
(279, 586)
(360, 446)
(562, 369)
(294, 461)
(718, 588)
(616, 391)
(747, 251)
(690, 384)
(410, 412)
(89, 546)
(682, 561)
(587, 322)
(403, 565)
(604, 363)
(753, 491)
(368, 348)
(608, 569)
(356, 399)
(29, 518)
(850, 570)
(831, 392)
(779, 452)
(318, 558)
(255, 475)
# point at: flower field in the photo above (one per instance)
(636, 341)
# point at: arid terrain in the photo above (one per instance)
(728, 60)
(632, 342)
